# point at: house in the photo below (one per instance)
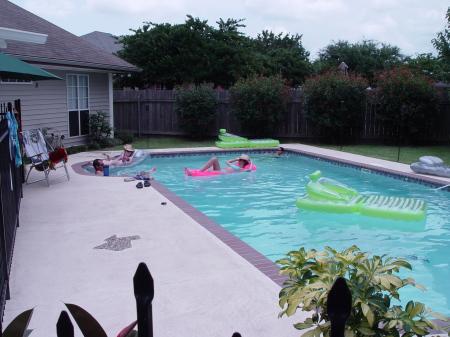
(87, 73)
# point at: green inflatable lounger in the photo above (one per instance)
(327, 195)
(228, 137)
(230, 141)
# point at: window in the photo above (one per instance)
(78, 103)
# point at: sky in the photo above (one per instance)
(407, 24)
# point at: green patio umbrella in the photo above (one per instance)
(13, 68)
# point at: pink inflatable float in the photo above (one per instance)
(198, 173)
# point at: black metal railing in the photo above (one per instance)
(11, 179)
(339, 307)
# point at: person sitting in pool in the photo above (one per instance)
(242, 160)
(280, 151)
(128, 151)
(98, 166)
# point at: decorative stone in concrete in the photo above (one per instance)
(115, 243)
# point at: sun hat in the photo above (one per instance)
(245, 157)
(128, 147)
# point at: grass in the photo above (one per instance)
(408, 155)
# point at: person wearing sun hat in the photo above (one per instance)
(244, 164)
(128, 152)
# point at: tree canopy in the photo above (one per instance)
(364, 58)
(442, 44)
(195, 52)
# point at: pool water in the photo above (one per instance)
(259, 208)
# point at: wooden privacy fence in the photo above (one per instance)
(151, 112)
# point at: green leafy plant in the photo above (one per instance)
(125, 136)
(415, 92)
(197, 107)
(87, 324)
(372, 284)
(323, 96)
(259, 102)
(100, 129)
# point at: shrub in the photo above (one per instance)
(93, 146)
(416, 92)
(125, 136)
(372, 284)
(197, 107)
(100, 129)
(323, 95)
(258, 103)
(76, 149)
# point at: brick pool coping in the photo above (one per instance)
(258, 260)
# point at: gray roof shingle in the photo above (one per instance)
(61, 48)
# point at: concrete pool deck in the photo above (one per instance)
(205, 284)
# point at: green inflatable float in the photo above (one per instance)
(327, 195)
(230, 141)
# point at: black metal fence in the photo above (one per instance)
(339, 307)
(151, 112)
(11, 179)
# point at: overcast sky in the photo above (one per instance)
(408, 24)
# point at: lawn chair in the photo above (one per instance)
(43, 156)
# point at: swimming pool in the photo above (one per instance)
(259, 208)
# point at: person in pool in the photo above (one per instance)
(280, 151)
(213, 165)
(128, 152)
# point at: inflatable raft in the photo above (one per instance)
(327, 195)
(431, 165)
(138, 157)
(230, 141)
(198, 173)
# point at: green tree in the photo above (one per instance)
(259, 102)
(323, 96)
(442, 44)
(407, 100)
(193, 52)
(196, 106)
(364, 58)
(426, 64)
(282, 53)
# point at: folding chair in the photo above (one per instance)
(43, 156)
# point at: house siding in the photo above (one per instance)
(44, 103)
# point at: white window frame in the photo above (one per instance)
(79, 103)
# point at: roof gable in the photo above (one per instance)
(61, 48)
(104, 41)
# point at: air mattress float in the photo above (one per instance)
(198, 173)
(327, 195)
(230, 141)
(431, 165)
(138, 157)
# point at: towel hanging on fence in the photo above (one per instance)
(14, 145)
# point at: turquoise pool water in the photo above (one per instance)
(259, 208)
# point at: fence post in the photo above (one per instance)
(400, 131)
(64, 327)
(341, 127)
(144, 292)
(339, 306)
(139, 115)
